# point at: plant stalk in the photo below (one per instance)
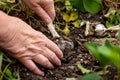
(53, 31)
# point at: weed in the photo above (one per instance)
(6, 73)
(113, 18)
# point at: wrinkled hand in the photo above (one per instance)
(28, 46)
(43, 8)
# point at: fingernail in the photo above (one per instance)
(61, 56)
(59, 64)
(52, 67)
(42, 74)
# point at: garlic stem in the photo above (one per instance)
(53, 31)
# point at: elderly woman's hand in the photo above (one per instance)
(43, 8)
(27, 45)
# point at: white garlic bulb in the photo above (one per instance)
(100, 30)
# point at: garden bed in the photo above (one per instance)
(79, 54)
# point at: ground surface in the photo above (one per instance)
(80, 54)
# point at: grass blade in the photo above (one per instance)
(1, 57)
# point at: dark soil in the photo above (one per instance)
(80, 54)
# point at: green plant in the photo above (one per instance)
(87, 74)
(6, 73)
(113, 18)
(71, 15)
(1, 58)
(12, 5)
(91, 76)
(82, 69)
(92, 6)
(9, 75)
(28, 12)
(8, 5)
(106, 54)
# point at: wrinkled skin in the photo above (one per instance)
(27, 45)
(43, 8)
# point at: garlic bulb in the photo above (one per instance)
(100, 30)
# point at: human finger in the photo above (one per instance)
(43, 14)
(52, 46)
(43, 61)
(51, 56)
(50, 9)
(32, 67)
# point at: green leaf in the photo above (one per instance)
(109, 24)
(8, 73)
(15, 74)
(107, 43)
(91, 76)
(1, 58)
(71, 79)
(98, 51)
(76, 23)
(113, 18)
(78, 4)
(68, 6)
(66, 17)
(92, 47)
(73, 16)
(92, 6)
(83, 70)
(107, 54)
(66, 30)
